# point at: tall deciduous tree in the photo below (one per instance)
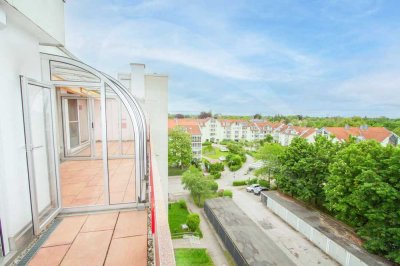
(197, 183)
(203, 115)
(269, 153)
(305, 168)
(363, 190)
(179, 148)
(257, 116)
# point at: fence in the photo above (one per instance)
(326, 244)
(228, 242)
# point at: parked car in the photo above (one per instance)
(257, 190)
(252, 187)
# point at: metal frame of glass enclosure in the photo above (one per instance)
(67, 72)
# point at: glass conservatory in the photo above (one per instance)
(86, 141)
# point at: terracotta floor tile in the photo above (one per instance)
(128, 251)
(72, 189)
(89, 192)
(66, 231)
(116, 197)
(85, 201)
(50, 256)
(88, 249)
(131, 224)
(99, 222)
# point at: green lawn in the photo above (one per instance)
(192, 256)
(173, 171)
(176, 217)
(215, 153)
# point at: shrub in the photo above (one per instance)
(207, 164)
(182, 204)
(235, 167)
(217, 167)
(225, 142)
(228, 193)
(208, 149)
(206, 143)
(216, 175)
(193, 221)
(220, 193)
(214, 186)
(239, 183)
(199, 233)
(263, 183)
(252, 181)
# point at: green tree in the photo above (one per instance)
(269, 153)
(197, 183)
(234, 161)
(237, 149)
(257, 116)
(363, 190)
(305, 168)
(179, 148)
(193, 221)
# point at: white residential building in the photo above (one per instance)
(342, 134)
(190, 126)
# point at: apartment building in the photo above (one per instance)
(286, 133)
(342, 134)
(81, 154)
(192, 127)
(216, 130)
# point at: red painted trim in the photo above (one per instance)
(152, 203)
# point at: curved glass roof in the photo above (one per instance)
(67, 71)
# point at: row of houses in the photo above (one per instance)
(216, 130)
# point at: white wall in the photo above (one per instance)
(156, 106)
(47, 14)
(19, 55)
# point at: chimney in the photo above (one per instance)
(137, 81)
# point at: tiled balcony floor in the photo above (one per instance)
(113, 147)
(82, 182)
(116, 238)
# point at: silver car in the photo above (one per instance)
(252, 187)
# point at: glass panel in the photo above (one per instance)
(113, 125)
(42, 153)
(66, 72)
(121, 163)
(77, 128)
(82, 182)
(72, 110)
(74, 134)
(127, 133)
(83, 120)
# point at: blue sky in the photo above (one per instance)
(322, 58)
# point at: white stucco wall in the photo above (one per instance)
(156, 106)
(19, 55)
(47, 14)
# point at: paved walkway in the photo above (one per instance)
(210, 239)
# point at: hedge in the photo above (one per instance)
(239, 183)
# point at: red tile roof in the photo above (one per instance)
(377, 133)
(190, 125)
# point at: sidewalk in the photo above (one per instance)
(209, 241)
